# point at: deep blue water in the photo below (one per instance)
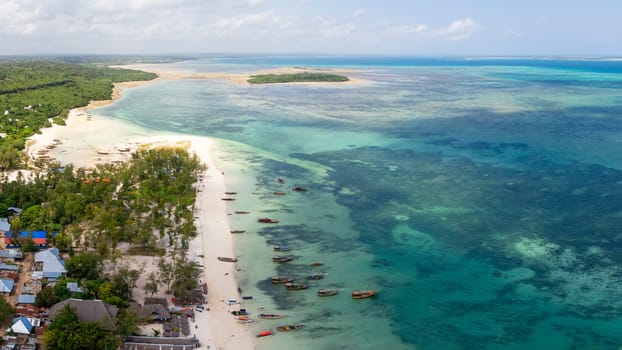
(482, 197)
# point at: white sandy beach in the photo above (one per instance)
(83, 141)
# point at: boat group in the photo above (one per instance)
(287, 281)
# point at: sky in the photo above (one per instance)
(391, 27)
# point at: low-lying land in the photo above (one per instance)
(304, 77)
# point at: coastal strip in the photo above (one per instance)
(78, 143)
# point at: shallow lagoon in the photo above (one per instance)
(483, 200)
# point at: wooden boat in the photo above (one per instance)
(281, 248)
(242, 212)
(282, 279)
(264, 334)
(291, 327)
(272, 316)
(362, 294)
(282, 258)
(327, 292)
(316, 276)
(228, 199)
(267, 220)
(227, 259)
(279, 193)
(281, 181)
(296, 286)
(231, 193)
(317, 264)
(237, 231)
(241, 312)
(299, 189)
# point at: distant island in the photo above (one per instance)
(304, 77)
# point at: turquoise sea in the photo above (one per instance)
(481, 196)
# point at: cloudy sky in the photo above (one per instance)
(409, 27)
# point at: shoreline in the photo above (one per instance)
(81, 142)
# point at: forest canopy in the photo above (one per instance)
(33, 92)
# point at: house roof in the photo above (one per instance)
(5, 226)
(27, 234)
(26, 299)
(6, 285)
(9, 267)
(21, 325)
(88, 310)
(151, 311)
(11, 253)
(53, 265)
(16, 210)
(73, 287)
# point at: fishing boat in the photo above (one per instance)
(279, 193)
(281, 248)
(231, 193)
(282, 258)
(282, 279)
(272, 316)
(227, 259)
(281, 181)
(327, 292)
(317, 264)
(296, 286)
(362, 294)
(241, 312)
(267, 221)
(238, 231)
(242, 212)
(228, 199)
(316, 276)
(264, 334)
(291, 327)
(299, 189)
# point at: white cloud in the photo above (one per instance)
(459, 29)
(238, 21)
(360, 12)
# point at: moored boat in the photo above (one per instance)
(290, 327)
(228, 199)
(296, 286)
(316, 276)
(282, 279)
(238, 231)
(231, 193)
(282, 258)
(242, 212)
(279, 193)
(264, 334)
(362, 294)
(327, 292)
(267, 220)
(281, 248)
(317, 264)
(227, 259)
(299, 189)
(272, 316)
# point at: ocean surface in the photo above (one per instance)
(482, 197)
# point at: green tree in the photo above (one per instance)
(6, 312)
(127, 322)
(85, 265)
(46, 297)
(151, 286)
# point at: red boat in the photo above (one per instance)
(362, 294)
(267, 221)
(264, 334)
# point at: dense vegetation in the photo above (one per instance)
(147, 202)
(33, 92)
(296, 78)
